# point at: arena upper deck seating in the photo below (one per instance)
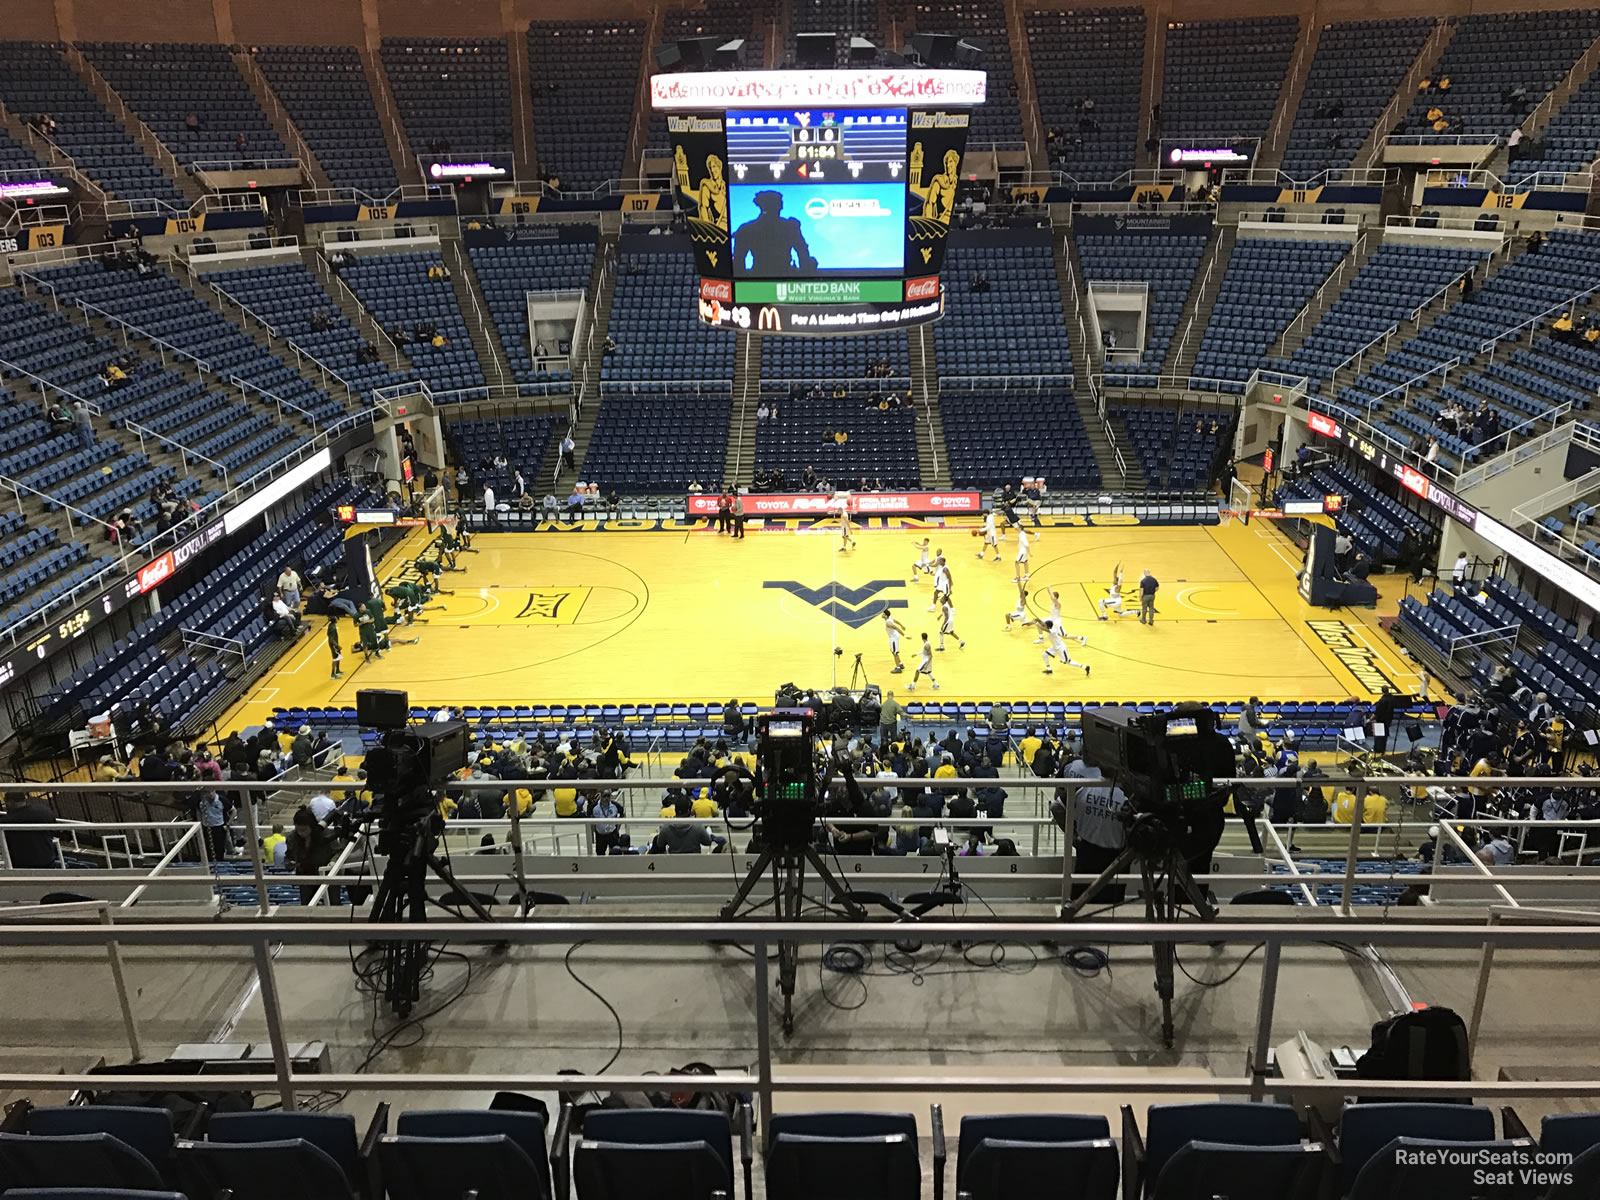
(847, 18)
(14, 156)
(725, 20)
(34, 78)
(1389, 287)
(163, 308)
(1268, 281)
(1492, 53)
(660, 340)
(1221, 78)
(451, 90)
(508, 273)
(159, 400)
(659, 441)
(1357, 67)
(998, 437)
(880, 445)
(1016, 327)
(164, 82)
(1568, 143)
(396, 290)
(325, 90)
(585, 78)
(1568, 264)
(1167, 262)
(289, 295)
(1090, 54)
(983, 22)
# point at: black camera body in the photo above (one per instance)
(788, 792)
(1165, 764)
(410, 764)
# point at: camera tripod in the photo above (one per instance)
(1167, 884)
(787, 865)
(402, 895)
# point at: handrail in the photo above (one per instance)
(1349, 257)
(248, 163)
(130, 119)
(1356, 356)
(1290, 86)
(301, 150)
(1563, 306)
(491, 340)
(1563, 495)
(143, 432)
(34, 137)
(85, 518)
(327, 272)
(1427, 54)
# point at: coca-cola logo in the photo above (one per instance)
(717, 289)
(926, 288)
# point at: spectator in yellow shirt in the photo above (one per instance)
(1029, 746)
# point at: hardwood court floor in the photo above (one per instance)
(679, 614)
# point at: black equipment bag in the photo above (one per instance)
(1427, 1044)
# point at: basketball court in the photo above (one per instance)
(666, 613)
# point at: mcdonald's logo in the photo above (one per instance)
(768, 319)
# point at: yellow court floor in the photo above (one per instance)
(672, 615)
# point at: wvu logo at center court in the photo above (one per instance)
(851, 606)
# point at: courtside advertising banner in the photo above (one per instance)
(867, 504)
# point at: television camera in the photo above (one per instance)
(406, 772)
(1166, 765)
(787, 800)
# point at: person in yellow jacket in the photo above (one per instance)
(273, 847)
(704, 805)
(566, 801)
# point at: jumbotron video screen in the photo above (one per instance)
(823, 216)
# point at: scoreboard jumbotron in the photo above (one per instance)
(818, 202)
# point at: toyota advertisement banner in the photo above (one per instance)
(866, 504)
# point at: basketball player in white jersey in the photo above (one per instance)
(941, 579)
(924, 564)
(846, 540)
(991, 537)
(1057, 648)
(894, 629)
(924, 666)
(947, 622)
(1112, 603)
(1055, 617)
(1020, 612)
(1023, 542)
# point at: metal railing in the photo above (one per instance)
(353, 237)
(1332, 177)
(247, 163)
(186, 452)
(491, 337)
(1297, 217)
(1484, 915)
